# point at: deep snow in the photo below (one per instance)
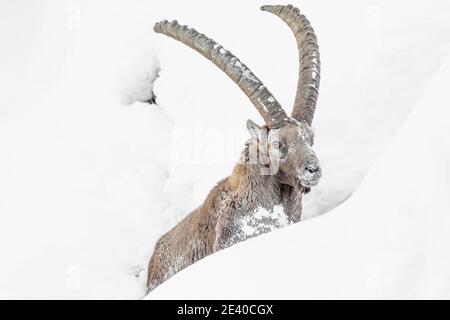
(90, 178)
(390, 240)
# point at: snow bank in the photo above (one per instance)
(391, 239)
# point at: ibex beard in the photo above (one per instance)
(277, 165)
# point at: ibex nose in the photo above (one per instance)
(310, 172)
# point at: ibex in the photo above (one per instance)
(276, 166)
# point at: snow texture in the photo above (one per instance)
(91, 176)
(263, 221)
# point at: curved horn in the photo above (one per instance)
(262, 99)
(309, 71)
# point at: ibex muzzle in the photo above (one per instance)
(310, 172)
(277, 165)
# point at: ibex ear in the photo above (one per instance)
(253, 129)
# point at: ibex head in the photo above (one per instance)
(287, 152)
(286, 141)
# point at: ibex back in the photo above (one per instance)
(276, 166)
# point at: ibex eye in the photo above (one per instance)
(281, 147)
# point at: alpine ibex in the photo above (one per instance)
(276, 167)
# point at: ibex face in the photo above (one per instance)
(288, 153)
(298, 162)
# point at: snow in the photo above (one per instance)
(91, 176)
(263, 221)
(390, 240)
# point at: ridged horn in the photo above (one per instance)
(309, 58)
(269, 108)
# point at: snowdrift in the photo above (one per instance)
(90, 177)
(391, 239)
